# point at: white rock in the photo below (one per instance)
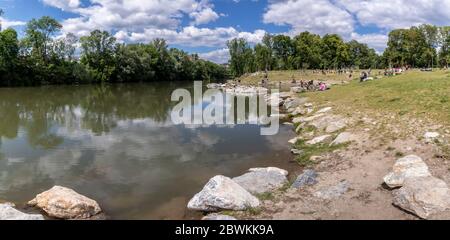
(295, 140)
(218, 217)
(423, 196)
(324, 110)
(65, 203)
(307, 119)
(299, 111)
(408, 167)
(342, 138)
(270, 169)
(430, 136)
(8, 212)
(294, 103)
(285, 95)
(222, 193)
(336, 126)
(262, 180)
(296, 151)
(308, 105)
(297, 89)
(318, 140)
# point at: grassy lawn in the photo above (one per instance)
(287, 76)
(415, 93)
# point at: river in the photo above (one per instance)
(117, 144)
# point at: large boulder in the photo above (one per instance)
(64, 203)
(336, 125)
(262, 180)
(294, 103)
(343, 138)
(407, 167)
(8, 212)
(222, 193)
(329, 123)
(423, 196)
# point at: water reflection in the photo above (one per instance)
(116, 144)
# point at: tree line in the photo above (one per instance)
(304, 51)
(422, 46)
(43, 56)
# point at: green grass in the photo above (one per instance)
(399, 154)
(314, 150)
(420, 94)
(287, 76)
(265, 196)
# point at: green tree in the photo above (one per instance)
(238, 52)
(307, 50)
(335, 52)
(283, 50)
(263, 57)
(39, 33)
(9, 49)
(98, 54)
(64, 48)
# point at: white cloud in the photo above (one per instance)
(63, 4)
(376, 41)
(217, 56)
(343, 16)
(5, 23)
(204, 16)
(143, 21)
(391, 14)
(318, 16)
(133, 15)
(191, 36)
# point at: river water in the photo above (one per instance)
(117, 144)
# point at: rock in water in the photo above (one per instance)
(270, 169)
(218, 217)
(262, 180)
(8, 212)
(408, 167)
(64, 203)
(222, 193)
(423, 196)
(309, 177)
(333, 192)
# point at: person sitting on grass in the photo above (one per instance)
(322, 86)
(363, 77)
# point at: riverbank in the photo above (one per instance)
(377, 127)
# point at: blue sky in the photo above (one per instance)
(204, 26)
